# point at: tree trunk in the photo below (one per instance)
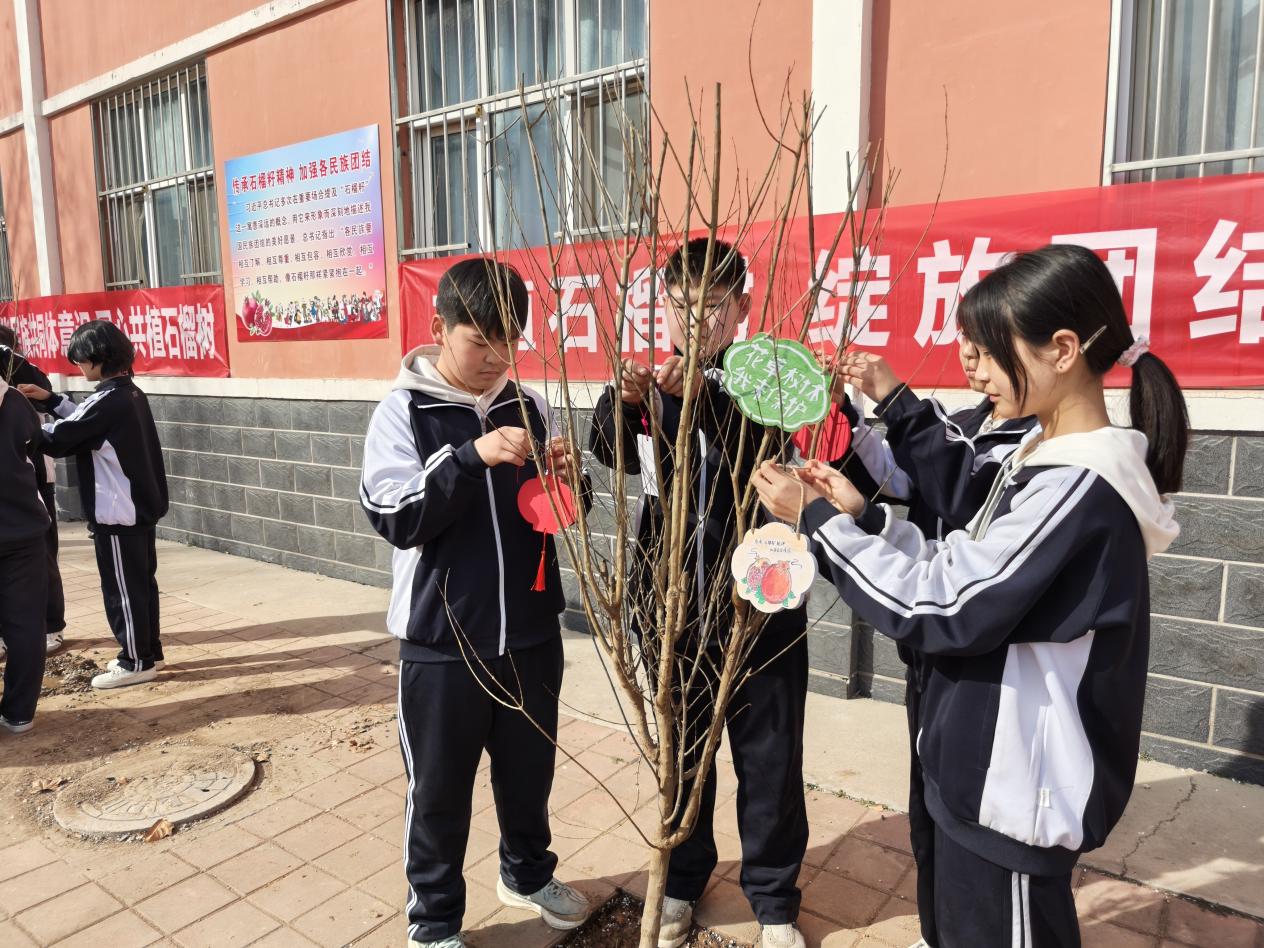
(652, 915)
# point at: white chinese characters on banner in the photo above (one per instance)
(576, 322)
(937, 324)
(872, 279)
(1218, 263)
(166, 332)
(1130, 259)
(645, 317)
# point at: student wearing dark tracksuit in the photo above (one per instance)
(475, 603)
(23, 578)
(123, 489)
(1034, 622)
(17, 371)
(765, 718)
(941, 465)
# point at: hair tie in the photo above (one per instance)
(1134, 352)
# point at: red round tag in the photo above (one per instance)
(533, 504)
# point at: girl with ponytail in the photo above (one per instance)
(1034, 620)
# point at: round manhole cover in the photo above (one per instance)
(177, 783)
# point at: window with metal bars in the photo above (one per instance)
(1189, 101)
(156, 183)
(518, 121)
(6, 272)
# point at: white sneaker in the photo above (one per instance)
(920, 943)
(558, 904)
(53, 641)
(16, 727)
(114, 663)
(116, 676)
(781, 936)
(452, 941)
(677, 921)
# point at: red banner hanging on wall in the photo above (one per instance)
(1188, 257)
(177, 330)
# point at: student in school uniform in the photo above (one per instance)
(16, 370)
(766, 717)
(23, 576)
(123, 489)
(1035, 620)
(475, 602)
(941, 465)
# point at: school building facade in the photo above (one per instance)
(117, 119)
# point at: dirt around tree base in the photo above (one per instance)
(617, 924)
(69, 673)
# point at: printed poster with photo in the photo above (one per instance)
(308, 252)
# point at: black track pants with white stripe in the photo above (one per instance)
(128, 564)
(979, 904)
(446, 719)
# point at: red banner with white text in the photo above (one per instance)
(1188, 257)
(176, 330)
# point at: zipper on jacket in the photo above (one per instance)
(500, 553)
(994, 496)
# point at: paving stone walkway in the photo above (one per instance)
(296, 671)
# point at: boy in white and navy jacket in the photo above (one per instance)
(123, 488)
(445, 458)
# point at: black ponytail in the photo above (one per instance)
(1065, 286)
(1158, 411)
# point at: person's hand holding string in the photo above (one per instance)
(506, 445)
(560, 461)
(635, 380)
(870, 373)
(34, 392)
(783, 494)
(671, 377)
(833, 486)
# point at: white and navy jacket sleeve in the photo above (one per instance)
(880, 463)
(963, 596)
(951, 473)
(81, 427)
(409, 499)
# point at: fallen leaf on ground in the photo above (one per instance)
(160, 830)
(43, 785)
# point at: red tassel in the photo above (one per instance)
(539, 575)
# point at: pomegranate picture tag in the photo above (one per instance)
(773, 567)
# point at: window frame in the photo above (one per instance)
(1119, 100)
(417, 218)
(132, 256)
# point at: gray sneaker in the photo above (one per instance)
(559, 905)
(781, 936)
(452, 941)
(16, 727)
(677, 921)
